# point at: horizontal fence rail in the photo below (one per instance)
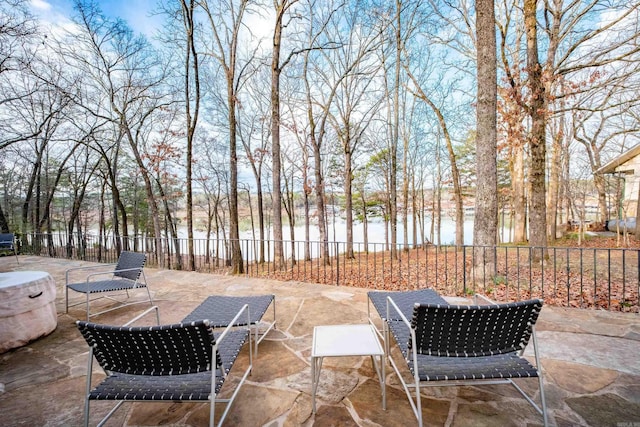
(597, 278)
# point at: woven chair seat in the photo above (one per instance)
(106, 285)
(405, 301)
(221, 309)
(195, 386)
(169, 387)
(436, 368)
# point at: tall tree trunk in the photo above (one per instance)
(455, 172)
(191, 63)
(348, 194)
(405, 190)
(537, 142)
(414, 210)
(393, 184)
(365, 224)
(486, 210)
(518, 194)
(322, 224)
(275, 139)
(554, 180)
(316, 144)
(237, 266)
(307, 222)
(260, 197)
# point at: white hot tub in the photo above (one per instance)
(27, 307)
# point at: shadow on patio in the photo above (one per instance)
(591, 364)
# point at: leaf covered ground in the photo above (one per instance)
(601, 272)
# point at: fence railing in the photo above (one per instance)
(600, 278)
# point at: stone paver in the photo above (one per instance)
(590, 359)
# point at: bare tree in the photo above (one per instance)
(225, 23)
(455, 173)
(254, 131)
(281, 7)
(357, 101)
(573, 49)
(485, 226)
(599, 120)
(192, 108)
(122, 70)
(537, 111)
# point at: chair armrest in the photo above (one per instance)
(233, 322)
(144, 313)
(101, 273)
(89, 267)
(392, 304)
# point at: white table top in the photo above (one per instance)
(17, 278)
(345, 340)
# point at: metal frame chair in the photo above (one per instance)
(183, 362)
(451, 345)
(127, 275)
(405, 300)
(220, 310)
(8, 243)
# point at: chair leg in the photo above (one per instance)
(88, 388)
(88, 302)
(148, 291)
(212, 396)
(149, 295)
(543, 402)
(275, 325)
(212, 411)
(418, 402)
(86, 411)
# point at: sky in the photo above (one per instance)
(137, 13)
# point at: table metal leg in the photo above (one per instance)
(378, 366)
(316, 366)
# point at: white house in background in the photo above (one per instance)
(628, 166)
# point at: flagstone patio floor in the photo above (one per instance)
(590, 359)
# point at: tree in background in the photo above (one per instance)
(225, 23)
(485, 226)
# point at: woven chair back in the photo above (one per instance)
(470, 331)
(129, 260)
(6, 241)
(152, 350)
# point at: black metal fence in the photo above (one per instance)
(599, 278)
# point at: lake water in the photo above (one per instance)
(338, 232)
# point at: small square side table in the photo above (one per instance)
(345, 340)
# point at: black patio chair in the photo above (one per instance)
(220, 310)
(451, 345)
(405, 300)
(127, 275)
(8, 244)
(183, 362)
